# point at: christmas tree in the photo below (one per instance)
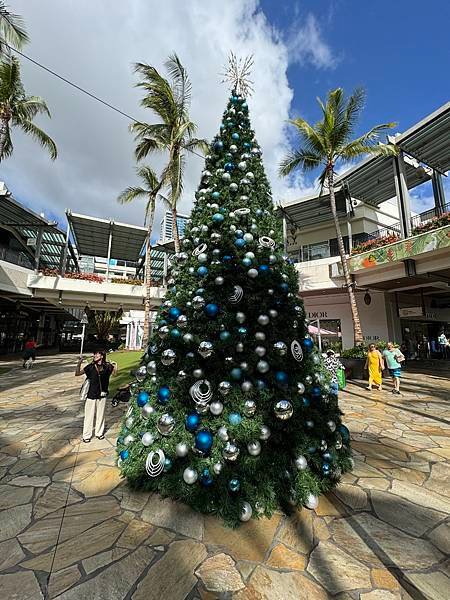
(234, 413)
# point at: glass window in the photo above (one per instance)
(316, 251)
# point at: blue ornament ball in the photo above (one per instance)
(281, 377)
(316, 391)
(124, 454)
(167, 464)
(247, 145)
(345, 433)
(175, 333)
(142, 398)
(246, 262)
(211, 310)
(215, 195)
(327, 456)
(261, 384)
(163, 394)
(229, 166)
(306, 402)
(263, 269)
(308, 343)
(235, 136)
(242, 331)
(236, 373)
(205, 478)
(239, 243)
(218, 145)
(217, 217)
(234, 418)
(174, 313)
(203, 440)
(234, 99)
(119, 440)
(239, 233)
(225, 336)
(227, 258)
(326, 468)
(234, 485)
(284, 287)
(192, 421)
(202, 271)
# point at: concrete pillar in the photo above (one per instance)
(285, 243)
(65, 251)
(109, 250)
(37, 254)
(438, 192)
(401, 190)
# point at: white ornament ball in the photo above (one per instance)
(263, 320)
(219, 280)
(202, 258)
(301, 463)
(129, 422)
(248, 237)
(260, 351)
(148, 438)
(147, 410)
(312, 501)
(190, 476)
(264, 433)
(331, 426)
(253, 273)
(254, 448)
(240, 317)
(216, 408)
(222, 434)
(128, 439)
(181, 449)
(262, 366)
(246, 513)
(217, 468)
(300, 387)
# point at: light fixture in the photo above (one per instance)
(60, 297)
(367, 298)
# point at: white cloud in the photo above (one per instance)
(306, 45)
(95, 45)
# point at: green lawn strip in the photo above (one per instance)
(127, 360)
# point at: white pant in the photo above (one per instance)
(89, 411)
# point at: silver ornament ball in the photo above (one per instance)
(190, 476)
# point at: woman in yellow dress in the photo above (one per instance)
(375, 364)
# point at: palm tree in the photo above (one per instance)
(174, 134)
(18, 110)
(328, 142)
(150, 189)
(12, 30)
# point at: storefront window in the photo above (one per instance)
(326, 334)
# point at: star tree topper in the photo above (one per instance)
(237, 74)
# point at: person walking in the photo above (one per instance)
(394, 358)
(375, 365)
(98, 373)
(443, 343)
(29, 351)
(333, 364)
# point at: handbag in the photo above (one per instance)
(84, 390)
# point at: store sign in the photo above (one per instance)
(412, 311)
(318, 315)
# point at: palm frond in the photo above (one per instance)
(309, 135)
(8, 147)
(40, 136)
(12, 29)
(182, 87)
(131, 193)
(299, 158)
(194, 144)
(29, 107)
(357, 148)
(149, 176)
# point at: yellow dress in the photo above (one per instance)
(374, 364)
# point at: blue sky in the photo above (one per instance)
(397, 50)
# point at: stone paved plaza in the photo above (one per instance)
(70, 528)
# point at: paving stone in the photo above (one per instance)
(99, 483)
(134, 535)
(14, 520)
(352, 496)
(379, 450)
(406, 474)
(382, 578)
(275, 585)
(173, 515)
(25, 481)
(20, 586)
(115, 581)
(374, 483)
(72, 459)
(55, 496)
(435, 586)
(403, 514)
(21, 465)
(439, 479)
(12, 496)
(297, 531)
(421, 496)
(10, 554)
(398, 549)
(6, 460)
(380, 595)
(173, 575)
(97, 561)
(130, 499)
(245, 568)
(160, 537)
(327, 559)
(321, 529)
(219, 574)
(283, 558)
(249, 542)
(347, 534)
(79, 547)
(441, 537)
(60, 581)
(330, 506)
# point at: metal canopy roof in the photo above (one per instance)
(92, 234)
(313, 210)
(428, 140)
(26, 225)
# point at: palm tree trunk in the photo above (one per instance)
(4, 125)
(357, 332)
(176, 235)
(148, 278)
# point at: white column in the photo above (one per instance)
(401, 190)
(109, 250)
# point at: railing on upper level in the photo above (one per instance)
(16, 257)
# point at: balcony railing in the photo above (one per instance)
(16, 257)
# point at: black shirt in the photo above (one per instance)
(99, 379)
